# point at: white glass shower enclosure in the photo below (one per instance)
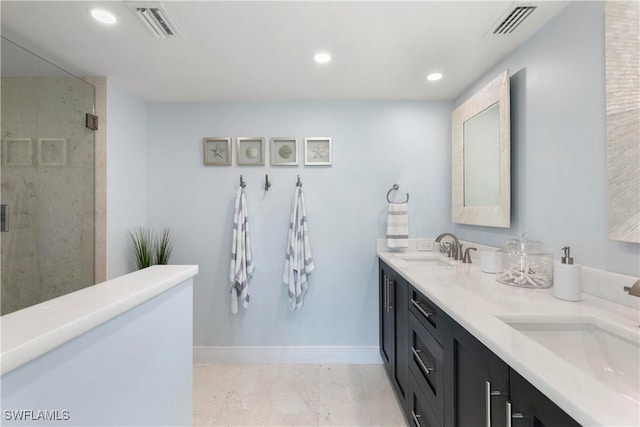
(47, 184)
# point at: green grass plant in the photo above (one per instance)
(142, 244)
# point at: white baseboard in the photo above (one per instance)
(287, 354)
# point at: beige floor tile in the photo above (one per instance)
(293, 420)
(339, 374)
(294, 395)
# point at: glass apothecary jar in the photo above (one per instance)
(525, 264)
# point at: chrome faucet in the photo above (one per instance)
(455, 251)
(633, 290)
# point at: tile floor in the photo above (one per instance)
(293, 395)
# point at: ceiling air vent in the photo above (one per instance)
(513, 19)
(156, 19)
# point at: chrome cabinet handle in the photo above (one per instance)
(423, 367)
(510, 415)
(416, 304)
(488, 395)
(385, 293)
(416, 419)
(389, 284)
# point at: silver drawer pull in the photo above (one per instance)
(488, 395)
(416, 419)
(510, 416)
(417, 305)
(416, 354)
(386, 293)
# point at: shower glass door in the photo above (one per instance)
(47, 183)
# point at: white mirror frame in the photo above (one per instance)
(623, 120)
(492, 216)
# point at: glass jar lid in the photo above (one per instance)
(522, 245)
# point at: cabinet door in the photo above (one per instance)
(481, 383)
(401, 362)
(387, 319)
(528, 407)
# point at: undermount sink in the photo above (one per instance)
(604, 350)
(426, 259)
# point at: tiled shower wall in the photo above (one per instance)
(48, 183)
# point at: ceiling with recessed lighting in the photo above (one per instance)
(264, 50)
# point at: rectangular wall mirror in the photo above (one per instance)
(623, 119)
(481, 164)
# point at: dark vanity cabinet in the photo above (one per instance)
(443, 375)
(528, 407)
(479, 382)
(393, 327)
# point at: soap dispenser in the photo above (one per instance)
(567, 277)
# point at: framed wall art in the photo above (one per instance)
(250, 151)
(17, 152)
(284, 151)
(52, 151)
(317, 151)
(217, 151)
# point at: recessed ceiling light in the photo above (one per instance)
(322, 57)
(103, 16)
(434, 76)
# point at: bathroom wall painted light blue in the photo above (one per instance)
(375, 144)
(558, 143)
(126, 175)
(558, 172)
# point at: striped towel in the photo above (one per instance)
(298, 263)
(242, 265)
(398, 225)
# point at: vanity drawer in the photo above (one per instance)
(426, 364)
(426, 312)
(420, 414)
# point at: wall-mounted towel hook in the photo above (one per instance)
(267, 184)
(395, 187)
(299, 183)
(242, 182)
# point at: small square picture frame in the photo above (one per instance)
(52, 151)
(216, 151)
(284, 151)
(318, 151)
(250, 151)
(17, 152)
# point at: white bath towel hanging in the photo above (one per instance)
(298, 263)
(242, 264)
(398, 225)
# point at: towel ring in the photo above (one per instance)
(299, 183)
(242, 183)
(395, 187)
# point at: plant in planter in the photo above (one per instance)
(142, 244)
(163, 247)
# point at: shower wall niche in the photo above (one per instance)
(47, 180)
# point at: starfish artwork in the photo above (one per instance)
(318, 152)
(217, 151)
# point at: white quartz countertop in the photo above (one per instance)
(477, 301)
(33, 331)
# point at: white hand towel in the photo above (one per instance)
(298, 263)
(242, 264)
(398, 225)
